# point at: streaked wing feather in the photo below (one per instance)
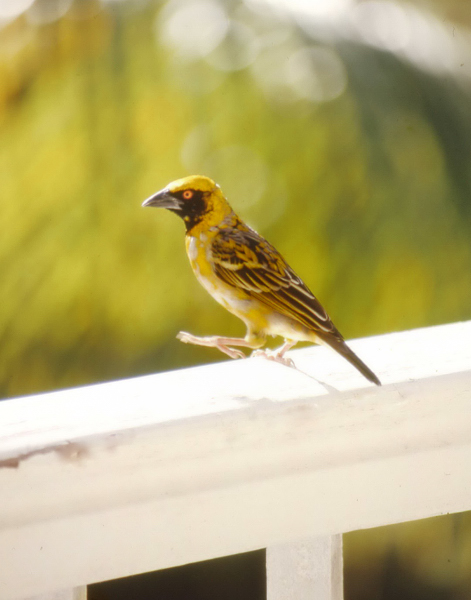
(245, 260)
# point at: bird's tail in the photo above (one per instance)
(341, 347)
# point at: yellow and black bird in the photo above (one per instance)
(248, 276)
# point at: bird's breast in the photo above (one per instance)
(199, 253)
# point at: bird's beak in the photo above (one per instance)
(163, 199)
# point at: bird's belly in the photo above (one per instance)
(279, 324)
(232, 300)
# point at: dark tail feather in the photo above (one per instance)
(341, 347)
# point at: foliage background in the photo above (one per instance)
(343, 135)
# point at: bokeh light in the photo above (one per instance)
(41, 13)
(193, 29)
(10, 9)
(237, 51)
(317, 74)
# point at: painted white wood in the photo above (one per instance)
(73, 594)
(306, 570)
(136, 475)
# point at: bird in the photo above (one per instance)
(244, 273)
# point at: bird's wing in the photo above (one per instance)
(245, 260)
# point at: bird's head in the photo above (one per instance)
(193, 198)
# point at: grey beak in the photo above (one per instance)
(163, 199)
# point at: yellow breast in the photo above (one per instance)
(198, 248)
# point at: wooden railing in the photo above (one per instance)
(137, 475)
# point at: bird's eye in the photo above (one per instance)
(187, 194)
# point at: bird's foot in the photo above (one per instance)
(213, 342)
(187, 338)
(232, 352)
(275, 356)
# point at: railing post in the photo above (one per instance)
(79, 593)
(306, 570)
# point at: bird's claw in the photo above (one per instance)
(185, 337)
(232, 352)
(274, 356)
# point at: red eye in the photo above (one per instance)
(187, 194)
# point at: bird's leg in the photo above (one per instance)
(278, 354)
(221, 343)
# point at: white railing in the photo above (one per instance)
(137, 475)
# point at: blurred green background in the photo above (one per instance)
(340, 130)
